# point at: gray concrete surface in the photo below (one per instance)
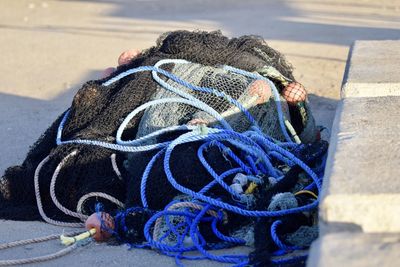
(355, 250)
(373, 69)
(364, 152)
(361, 195)
(49, 48)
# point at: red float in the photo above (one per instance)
(294, 93)
(101, 232)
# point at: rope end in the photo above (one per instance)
(69, 240)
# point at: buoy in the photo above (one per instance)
(94, 222)
(262, 89)
(127, 56)
(294, 93)
(94, 229)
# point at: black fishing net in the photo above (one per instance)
(71, 172)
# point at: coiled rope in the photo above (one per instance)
(258, 147)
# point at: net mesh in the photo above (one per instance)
(97, 111)
(234, 86)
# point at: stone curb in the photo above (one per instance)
(360, 200)
(360, 185)
(372, 69)
(355, 250)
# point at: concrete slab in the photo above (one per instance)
(355, 250)
(361, 185)
(373, 69)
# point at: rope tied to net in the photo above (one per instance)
(259, 149)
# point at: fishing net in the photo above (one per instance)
(231, 85)
(199, 143)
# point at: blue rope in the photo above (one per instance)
(274, 91)
(276, 239)
(225, 238)
(189, 100)
(187, 96)
(222, 176)
(194, 234)
(146, 175)
(196, 104)
(196, 88)
(252, 165)
(245, 212)
(258, 150)
(281, 158)
(254, 149)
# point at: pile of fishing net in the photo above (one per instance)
(200, 143)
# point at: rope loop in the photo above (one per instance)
(259, 162)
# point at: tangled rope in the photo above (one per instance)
(37, 259)
(259, 149)
(78, 214)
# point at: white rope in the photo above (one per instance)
(98, 194)
(39, 201)
(37, 259)
(115, 166)
(71, 213)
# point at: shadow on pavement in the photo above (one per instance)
(265, 17)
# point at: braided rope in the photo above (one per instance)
(175, 206)
(39, 201)
(78, 214)
(115, 165)
(258, 148)
(274, 91)
(179, 205)
(69, 212)
(252, 213)
(187, 84)
(98, 194)
(276, 239)
(28, 241)
(38, 259)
